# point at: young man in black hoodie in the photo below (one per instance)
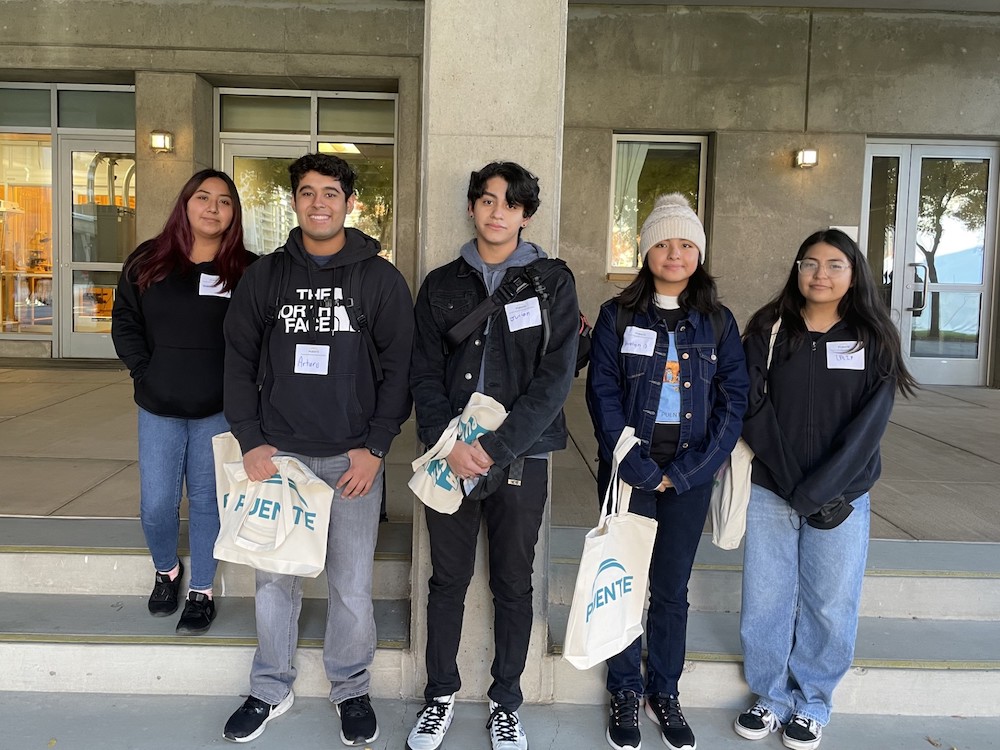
(524, 356)
(305, 378)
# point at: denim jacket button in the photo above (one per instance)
(468, 376)
(684, 355)
(687, 385)
(683, 328)
(684, 445)
(713, 357)
(687, 416)
(478, 342)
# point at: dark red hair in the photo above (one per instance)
(172, 246)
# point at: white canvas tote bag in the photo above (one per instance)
(279, 525)
(610, 593)
(731, 489)
(433, 481)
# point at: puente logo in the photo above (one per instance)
(269, 509)
(611, 582)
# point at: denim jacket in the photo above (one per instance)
(624, 389)
(532, 388)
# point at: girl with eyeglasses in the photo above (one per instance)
(815, 420)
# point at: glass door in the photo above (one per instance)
(930, 224)
(260, 172)
(97, 233)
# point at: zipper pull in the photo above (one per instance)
(814, 345)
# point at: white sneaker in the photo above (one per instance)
(756, 723)
(432, 723)
(506, 732)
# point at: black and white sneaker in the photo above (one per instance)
(756, 723)
(358, 725)
(802, 733)
(665, 711)
(432, 724)
(506, 732)
(623, 721)
(250, 719)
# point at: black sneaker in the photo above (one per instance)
(802, 733)
(623, 721)
(199, 611)
(358, 724)
(163, 600)
(756, 723)
(665, 711)
(250, 719)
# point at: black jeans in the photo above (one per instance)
(513, 516)
(680, 520)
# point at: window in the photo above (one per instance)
(644, 167)
(261, 132)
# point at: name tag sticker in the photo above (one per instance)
(523, 314)
(211, 286)
(640, 341)
(840, 357)
(312, 360)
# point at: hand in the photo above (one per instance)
(482, 457)
(466, 462)
(664, 484)
(360, 475)
(258, 464)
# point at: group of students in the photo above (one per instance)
(316, 351)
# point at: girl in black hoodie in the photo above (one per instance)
(815, 420)
(167, 328)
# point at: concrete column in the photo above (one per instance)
(180, 103)
(493, 84)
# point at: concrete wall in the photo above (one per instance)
(761, 84)
(175, 52)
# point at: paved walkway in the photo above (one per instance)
(68, 448)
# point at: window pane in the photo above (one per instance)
(643, 171)
(103, 207)
(882, 222)
(97, 109)
(357, 117)
(264, 114)
(25, 108)
(93, 298)
(25, 233)
(374, 189)
(948, 327)
(266, 196)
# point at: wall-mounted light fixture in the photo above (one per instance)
(161, 141)
(806, 158)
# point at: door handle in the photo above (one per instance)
(916, 310)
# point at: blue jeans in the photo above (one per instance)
(801, 592)
(680, 520)
(349, 641)
(173, 453)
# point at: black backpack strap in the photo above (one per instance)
(531, 271)
(718, 320)
(275, 294)
(468, 325)
(623, 319)
(359, 321)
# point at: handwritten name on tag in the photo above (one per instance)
(840, 357)
(523, 314)
(312, 359)
(211, 286)
(641, 341)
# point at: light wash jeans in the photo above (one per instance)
(801, 592)
(349, 642)
(174, 452)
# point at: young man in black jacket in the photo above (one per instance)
(524, 356)
(304, 378)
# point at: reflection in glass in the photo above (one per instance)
(103, 206)
(25, 233)
(882, 221)
(266, 196)
(374, 189)
(93, 298)
(951, 228)
(643, 171)
(956, 335)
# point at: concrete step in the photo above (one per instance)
(901, 666)
(100, 556)
(88, 642)
(93, 721)
(939, 580)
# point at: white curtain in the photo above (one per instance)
(630, 158)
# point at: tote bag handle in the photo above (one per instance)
(618, 494)
(285, 522)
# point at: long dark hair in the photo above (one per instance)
(700, 294)
(172, 246)
(862, 308)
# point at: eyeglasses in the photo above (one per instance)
(810, 267)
